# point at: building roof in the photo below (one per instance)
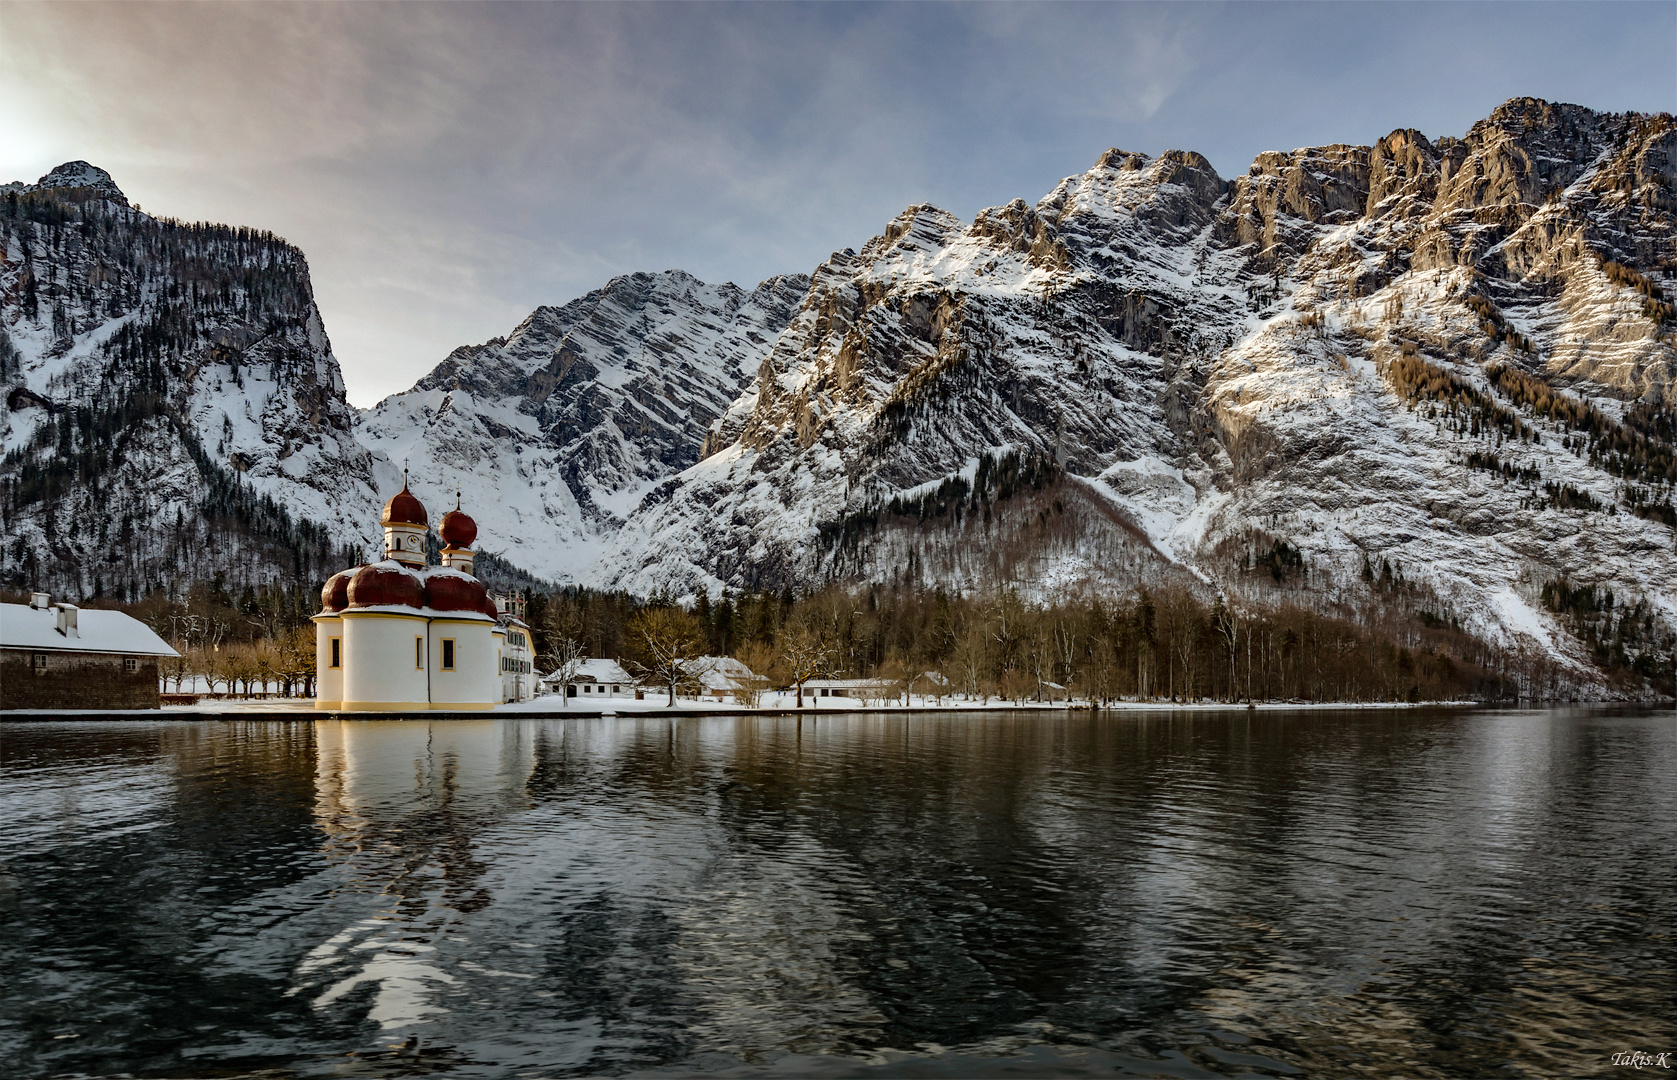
(25, 627)
(601, 670)
(458, 530)
(844, 684)
(403, 508)
(719, 672)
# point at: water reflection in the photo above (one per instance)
(1156, 894)
(399, 805)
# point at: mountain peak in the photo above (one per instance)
(81, 175)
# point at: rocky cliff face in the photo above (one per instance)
(1453, 359)
(559, 429)
(173, 410)
(1415, 380)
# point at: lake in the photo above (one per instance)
(1321, 893)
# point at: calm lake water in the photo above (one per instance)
(1321, 893)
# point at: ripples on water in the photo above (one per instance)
(1366, 893)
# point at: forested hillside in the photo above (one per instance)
(173, 412)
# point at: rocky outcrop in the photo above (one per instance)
(561, 427)
(174, 410)
(1213, 362)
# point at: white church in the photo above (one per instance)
(402, 635)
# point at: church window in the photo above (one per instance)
(419, 654)
(337, 652)
(448, 654)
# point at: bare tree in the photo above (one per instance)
(1039, 649)
(295, 663)
(972, 653)
(762, 659)
(565, 650)
(1065, 650)
(669, 637)
(1226, 621)
(804, 653)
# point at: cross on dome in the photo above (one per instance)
(458, 529)
(403, 508)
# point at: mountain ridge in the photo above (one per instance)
(1313, 367)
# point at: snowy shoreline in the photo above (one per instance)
(301, 709)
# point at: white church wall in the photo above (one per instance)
(380, 669)
(474, 682)
(328, 680)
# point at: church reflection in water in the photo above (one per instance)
(399, 803)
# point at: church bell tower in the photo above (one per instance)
(405, 526)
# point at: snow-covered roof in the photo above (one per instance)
(601, 670)
(719, 672)
(25, 627)
(845, 684)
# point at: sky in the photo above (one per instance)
(446, 168)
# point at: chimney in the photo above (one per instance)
(67, 620)
(40, 601)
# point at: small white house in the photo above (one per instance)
(721, 678)
(849, 688)
(595, 678)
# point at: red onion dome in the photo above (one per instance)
(335, 596)
(457, 529)
(452, 592)
(403, 509)
(381, 585)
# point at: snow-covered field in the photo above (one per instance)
(776, 703)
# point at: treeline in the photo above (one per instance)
(955, 498)
(1621, 636)
(1165, 644)
(86, 261)
(71, 474)
(1494, 326)
(1466, 408)
(1655, 306)
(1641, 450)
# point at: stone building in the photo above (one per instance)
(59, 656)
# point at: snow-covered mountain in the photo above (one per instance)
(1416, 380)
(1446, 365)
(173, 409)
(560, 428)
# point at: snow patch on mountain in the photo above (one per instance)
(561, 429)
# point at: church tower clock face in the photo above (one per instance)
(413, 543)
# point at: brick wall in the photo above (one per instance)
(76, 681)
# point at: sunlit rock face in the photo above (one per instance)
(1211, 363)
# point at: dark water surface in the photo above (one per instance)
(1309, 893)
